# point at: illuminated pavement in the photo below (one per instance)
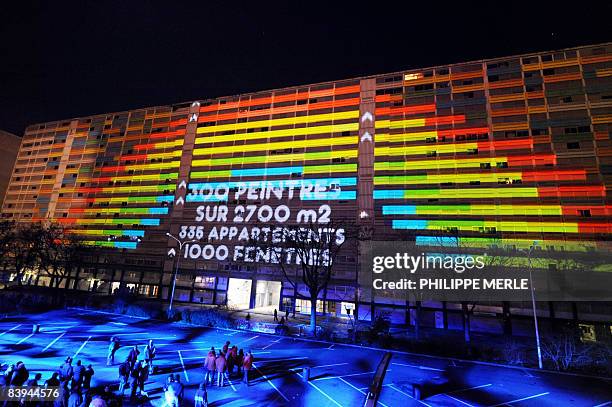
(339, 374)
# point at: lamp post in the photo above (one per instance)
(178, 259)
(533, 305)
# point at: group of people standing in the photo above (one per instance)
(227, 362)
(133, 372)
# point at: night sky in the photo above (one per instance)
(62, 59)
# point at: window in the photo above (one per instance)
(585, 213)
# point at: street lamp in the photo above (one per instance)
(533, 304)
(178, 259)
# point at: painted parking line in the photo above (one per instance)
(12, 329)
(521, 399)
(25, 339)
(53, 342)
(81, 348)
(607, 403)
(272, 343)
(183, 364)
(247, 340)
(360, 391)
(419, 367)
(272, 384)
(325, 394)
(407, 395)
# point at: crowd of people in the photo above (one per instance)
(218, 368)
(74, 381)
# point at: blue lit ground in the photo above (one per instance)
(340, 374)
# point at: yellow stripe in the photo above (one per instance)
(297, 157)
(303, 131)
(353, 114)
(338, 141)
(443, 149)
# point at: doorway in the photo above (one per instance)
(239, 293)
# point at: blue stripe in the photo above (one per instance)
(125, 245)
(389, 194)
(399, 210)
(409, 224)
(149, 222)
(158, 211)
(437, 241)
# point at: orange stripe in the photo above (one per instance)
(281, 98)
(275, 110)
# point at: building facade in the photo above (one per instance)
(505, 151)
(9, 147)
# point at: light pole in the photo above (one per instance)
(178, 259)
(533, 304)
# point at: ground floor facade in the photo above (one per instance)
(265, 293)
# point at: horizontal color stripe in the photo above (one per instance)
(353, 114)
(337, 141)
(260, 159)
(301, 131)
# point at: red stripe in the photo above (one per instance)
(572, 191)
(554, 175)
(531, 160)
(594, 228)
(432, 121)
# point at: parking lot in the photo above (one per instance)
(340, 374)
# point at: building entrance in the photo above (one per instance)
(239, 293)
(268, 294)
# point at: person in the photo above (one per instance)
(89, 372)
(179, 389)
(282, 321)
(77, 374)
(286, 313)
(66, 370)
(113, 346)
(247, 365)
(275, 315)
(170, 397)
(210, 367)
(232, 358)
(150, 352)
(240, 360)
(98, 401)
(201, 396)
(142, 378)
(75, 398)
(132, 357)
(221, 367)
(124, 373)
(225, 347)
(53, 381)
(134, 378)
(32, 383)
(20, 375)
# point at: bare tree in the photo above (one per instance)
(22, 247)
(60, 254)
(306, 253)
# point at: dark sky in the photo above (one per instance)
(63, 59)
